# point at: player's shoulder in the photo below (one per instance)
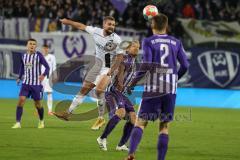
(172, 38)
(116, 37)
(98, 30)
(51, 55)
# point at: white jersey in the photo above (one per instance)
(51, 60)
(106, 46)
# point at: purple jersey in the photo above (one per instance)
(30, 68)
(125, 73)
(160, 56)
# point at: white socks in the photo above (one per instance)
(49, 102)
(101, 105)
(78, 99)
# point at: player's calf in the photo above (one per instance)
(163, 140)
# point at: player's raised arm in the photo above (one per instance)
(117, 60)
(74, 24)
(182, 58)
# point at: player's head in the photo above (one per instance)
(109, 24)
(159, 23)
(31, 45)
(45, 49)
(133, 49)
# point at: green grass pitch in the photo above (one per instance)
(202, 134)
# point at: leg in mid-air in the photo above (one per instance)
(127, 130)
(100, 91)
(77, 100)
(40, 111)
(19, 111)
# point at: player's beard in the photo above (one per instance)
(109, 31)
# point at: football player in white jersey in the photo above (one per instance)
(106, 45)
(51, 60)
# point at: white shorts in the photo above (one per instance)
(46, 85)
(95, 73)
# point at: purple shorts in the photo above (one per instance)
(158, 108)
(116, 100)
(33, 91)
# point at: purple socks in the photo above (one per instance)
(19, 112)
(135, 139)
(162, 146)
(127, 130)
(110, 126)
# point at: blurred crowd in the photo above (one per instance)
(92, 11)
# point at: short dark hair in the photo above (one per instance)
(109, 18)
(160, 22)
(45, 46)
(31, 39)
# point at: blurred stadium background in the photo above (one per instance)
(210, 32)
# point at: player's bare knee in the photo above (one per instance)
(37, 104)
(99, 92)
(133, 117)
(120, 113)
(163, 127)
(141, 123)
(21, 101)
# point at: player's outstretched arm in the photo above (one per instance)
(74, 24)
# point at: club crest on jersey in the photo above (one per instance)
(74, 45)
(110, 46)
(221, 67)
(28, 65)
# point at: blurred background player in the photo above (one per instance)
(30, 71)
(106, 45)
(119, 104)
(51, 60)
(160, 55)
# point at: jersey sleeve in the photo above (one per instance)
(21, 69)
(182, 58)
(90, 29)
(45, 64)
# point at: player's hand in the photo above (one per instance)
(41, 78)
(18, 81)
(64, 21)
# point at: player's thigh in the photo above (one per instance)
(38, 103)
(86, 87)
(102, 83)
(111, 101)
(133, 117)
(149, 109)
(37, 92)
(167, 108)
(21, 100)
